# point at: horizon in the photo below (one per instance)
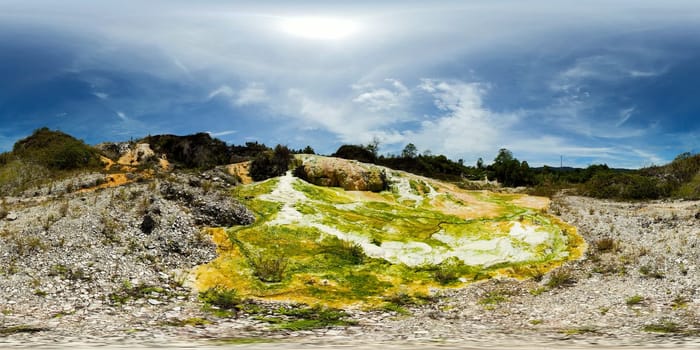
(598, 83)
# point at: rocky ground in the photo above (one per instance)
(109, 267)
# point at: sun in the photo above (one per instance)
(319, 28)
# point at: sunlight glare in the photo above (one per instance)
(319, 28)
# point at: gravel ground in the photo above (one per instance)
(69, 282)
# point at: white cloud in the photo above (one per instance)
(122, 116)
(101, 95)
(467, 128)
(625, 115)
(223, 90)
(222, 133)
(382, 99)
(254, 93)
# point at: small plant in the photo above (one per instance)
(536, 322)
(347, 250)
(304, 318)
(63, 209)
(110, 227)
(634, 300)
(494, 297)
(650, 272)
(396, 308)
(663, 327)
(193, 321)
(447, 272)
(226, 299)
(606, 245)
(679, 302)
(603, 310)
(269, 268)
(581, 330)
(560, 278)
(3, 209)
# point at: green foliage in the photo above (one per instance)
(356, 152)
(226, 299)
(664, 327)
(410, 151)
(269, 268)
(129, 292)
(56, 150)
(271, 163)
(634, 300)
(198, 151)
(560, 278)
(350, 252)
(304, 318)
(509, 171)
(625, 186)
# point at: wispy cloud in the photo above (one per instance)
(382, 99)
(222, 133)
(625, 115)
(122, 116)
(254, 93)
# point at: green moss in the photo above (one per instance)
(320, 267)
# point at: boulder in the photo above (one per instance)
(348, 174)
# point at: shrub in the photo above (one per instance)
(227, 299)
(348, 251)
(634, 300)
(269, 268)
(446, 273)
(606, 244)
(271, 163)
(56, 150)
(560, 278)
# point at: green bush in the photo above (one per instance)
(271, 163)
(56, 150)
(269, 268)
(226, 299)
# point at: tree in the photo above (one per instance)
(271, 163)
(308, 150)
(480, 163)
(374, 146)
(410, 151)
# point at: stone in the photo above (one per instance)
(337, 172)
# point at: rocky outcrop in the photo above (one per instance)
(336, 172)
(208, 209)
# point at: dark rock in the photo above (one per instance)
(148, 224)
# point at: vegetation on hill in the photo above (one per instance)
(55, 150)
(192, 151)
(42, 156)
(270, 164)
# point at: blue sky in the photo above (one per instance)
(594, 81)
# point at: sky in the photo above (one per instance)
(594, 82)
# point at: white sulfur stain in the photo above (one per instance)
(286, 194)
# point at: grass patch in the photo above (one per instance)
(304, 318)
(5, 331)
(193, 321)
(269, 268)
(665, 326)
(634, 300)
(581, 330)
(560, 278)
